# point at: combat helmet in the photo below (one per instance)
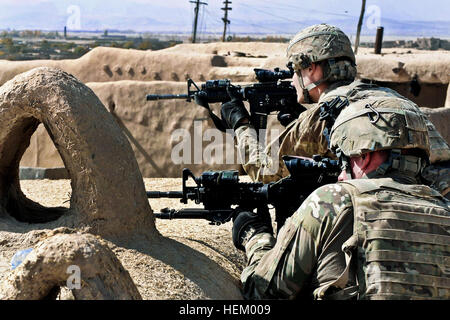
(322, 42)
(388, 123)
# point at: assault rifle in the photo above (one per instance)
(220, 191)
(269, 94)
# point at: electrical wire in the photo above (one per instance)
(202, 24)
(289, 7)
(260, 26)
(270, 13)
(212, 21)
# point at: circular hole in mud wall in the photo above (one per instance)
(48, 193)
(43, 190)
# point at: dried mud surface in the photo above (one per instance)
(121, 79)
(154, 270)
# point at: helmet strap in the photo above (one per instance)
(411, 165)
(306, 89)
(306, 95)
(344, 162)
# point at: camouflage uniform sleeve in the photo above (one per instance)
(283, 268)
(306, 136)
(438, 173)
(257, 160)
(302, 137)
(439, 149)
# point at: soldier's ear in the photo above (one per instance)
(360, 165)
(315, 68)
(366, 159)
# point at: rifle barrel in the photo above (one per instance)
(151, 97)
(188, 213)
(164, 194)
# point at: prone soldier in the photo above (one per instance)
(376, 234)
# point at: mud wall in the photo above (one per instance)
(73, 116)
(106, 229)
(121, 78)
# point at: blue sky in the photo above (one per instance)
(415, 17)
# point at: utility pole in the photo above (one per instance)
(197, 7)
(379, 40)
(360, 21)
(225, 19)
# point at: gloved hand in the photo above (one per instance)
(247, 224)
(233, 112)
(285, 118)
(290, 113)
(201, 101)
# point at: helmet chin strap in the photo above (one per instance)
(405, 163)
(306, 89)
(344, 162)
(306, 95)
(408, 164)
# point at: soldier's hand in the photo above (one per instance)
(201, 100)
(247, 224)
(233, 112)
(285, 118)
(290, 113)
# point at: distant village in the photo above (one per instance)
(420, 43)
(35, 44)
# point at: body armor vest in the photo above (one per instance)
(342, 95)
(401, 240)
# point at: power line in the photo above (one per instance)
(289, 7)
(213, 21)
(202, 24)
(213, 18)
(270, 13)
(259, 26)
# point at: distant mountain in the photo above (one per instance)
(273, 27)
(349, 26)
(143, 17)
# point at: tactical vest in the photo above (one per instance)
(358, 90)
(401, 241)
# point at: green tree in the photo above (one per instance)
(7, 42)
(128, 45)
(145, 45)
(45, 45)
(79, 51)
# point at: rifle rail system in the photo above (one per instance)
(221, 192)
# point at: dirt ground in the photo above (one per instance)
(155, 277)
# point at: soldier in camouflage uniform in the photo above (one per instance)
(325, 69)
(380, 235)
